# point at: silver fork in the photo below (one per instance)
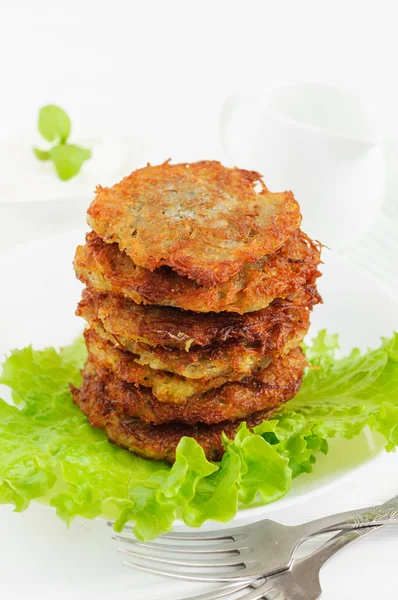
(300, 582)
(245, 552)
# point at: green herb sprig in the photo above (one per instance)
(55, 126)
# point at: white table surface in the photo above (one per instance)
(159, 71)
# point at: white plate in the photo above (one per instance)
(41, 292)
(39, 295)
(42, 287)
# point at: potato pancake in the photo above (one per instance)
(268, 388)
(245, 341)
(157, 442)
(203, 220)
(291, 271)
(165, 386)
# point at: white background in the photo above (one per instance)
(159, 71)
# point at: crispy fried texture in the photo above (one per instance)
(288, 273)
(245, 341)
(151, 441)
(230, 361)
(165, 386)
(190, 332)
(203, 220)
(265, 390)
(157, 442)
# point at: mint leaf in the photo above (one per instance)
(41, 154)
(68, 159)
(54, 123)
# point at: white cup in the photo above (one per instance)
(321, 142)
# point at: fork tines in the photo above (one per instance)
(228, 558)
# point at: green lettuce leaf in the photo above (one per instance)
(49, 452)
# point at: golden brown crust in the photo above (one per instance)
(246, 342)
(158, 442)
(190, 332)
(165, 386)
(265, 390)
(203, 220)
(200, 288)
(291, 273)
(232, 360)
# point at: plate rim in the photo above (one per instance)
(243, 513)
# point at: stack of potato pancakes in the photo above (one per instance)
(199, 288)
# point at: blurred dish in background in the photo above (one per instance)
(320, 141)
(34, 202)
(26, 179)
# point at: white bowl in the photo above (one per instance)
(34, 202)
(321, 142)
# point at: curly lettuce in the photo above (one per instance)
(49, 453)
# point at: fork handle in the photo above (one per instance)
(381, 514)
(319, 557)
